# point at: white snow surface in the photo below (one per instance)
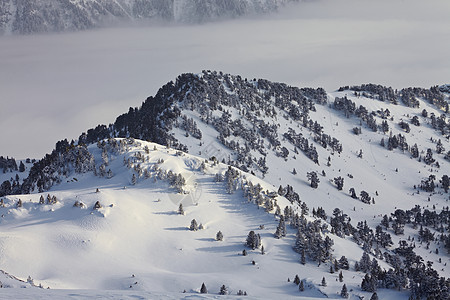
(137, 245)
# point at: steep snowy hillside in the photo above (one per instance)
(123, 229)
(350, 186)
(25, 17)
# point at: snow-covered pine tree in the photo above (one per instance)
(180, 209)
(194, 225)
(301, 286)
(281, 229)
(253, 240)
(313, 179)
(223, 290)
(203, 289)
(97, 205)
(339, 182)
(344, 292)
(219, 236)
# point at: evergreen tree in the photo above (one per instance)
(253, 240)
(281, 229)
(180, 209)
(97, 205)
(223, 290)
(385, 221)
(445, 183)
(339, 182)
(365, 263)
(364, 196)
(374, 296)
(429, 157)
(297, 280)
(301, 286)
(21, 167)
(324, 282)
(219, 236)
(341, 276)
(203, 289)
(343, 263)
(344, 292)
(194, 225)
(313, 179)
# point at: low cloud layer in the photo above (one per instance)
(56, 86)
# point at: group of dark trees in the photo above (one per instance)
(408, 96)
(212, 95)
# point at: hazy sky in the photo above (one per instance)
(57, 86)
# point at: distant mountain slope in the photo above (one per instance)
(33, 16)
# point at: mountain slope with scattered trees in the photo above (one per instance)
(37, 16)
(350, 187)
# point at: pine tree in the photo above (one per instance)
(281, 229)
(223, 290)
(219, 236)
(203, 289)
(302, 257)
(297, 280)
(301, 286)
(262, 250)
(97, 205)
(253, 240)
(339, 182)
(341, 276)
(344, 292)
(314, 179)
(194, 225)
(180, 209)
(133, 179)
(343, 263)
(374, 296)
(21, 167)
(324, 282)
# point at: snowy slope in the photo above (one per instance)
(138, 241)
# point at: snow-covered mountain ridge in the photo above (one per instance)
(34, 16)
(360, 170)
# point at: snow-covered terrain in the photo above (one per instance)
(104, 215)
(37, 16)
